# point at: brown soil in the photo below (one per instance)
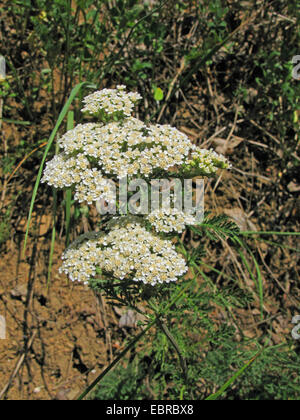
(60, 329)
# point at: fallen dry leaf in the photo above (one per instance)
(293, 187)
(240, 218)
(226, 147)
(128, 319)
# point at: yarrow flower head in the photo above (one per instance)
(117, 149)
(129, 252)
(63, 171)
(122, 148)
(94, 156)
(170, 220)
(204, 163)
(111, 102)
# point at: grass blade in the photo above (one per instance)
(24, 160)
(68, 197)
(276, 244)
(259, 280)
(49, 144)
(252, 232)
(7, 121)
(53, 236)
(221, 391)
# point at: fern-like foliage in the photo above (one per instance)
(216, 227)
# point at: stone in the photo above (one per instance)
(2, 328)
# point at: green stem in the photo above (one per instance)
(172, 340)
(134, 341)
(250, 232)
(70, 126)
(113, 364)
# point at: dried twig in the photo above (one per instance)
(18, 365)
(172, 84)
(2, 78)
(105, 323)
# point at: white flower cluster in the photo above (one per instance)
(128, 147)
(170, 220)
(126, 252)
(111, 101)
(206, 162)
(65, 171)
(94, 156)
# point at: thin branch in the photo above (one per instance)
(172, 340)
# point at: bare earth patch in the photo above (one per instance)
(60, 329)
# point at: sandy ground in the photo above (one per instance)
(62, 330)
